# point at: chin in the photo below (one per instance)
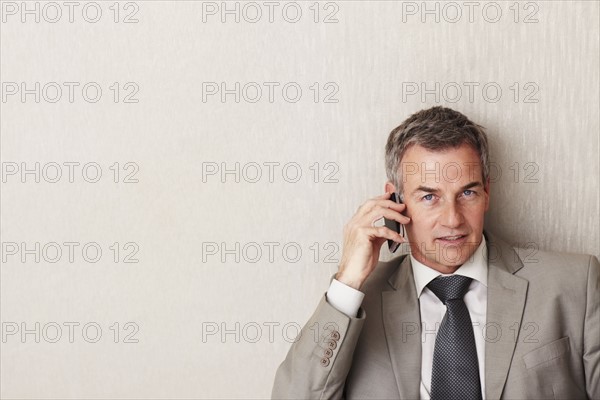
(447, 268)
(453, 258)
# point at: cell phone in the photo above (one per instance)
(394, 225)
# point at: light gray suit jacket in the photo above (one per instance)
(542, 333)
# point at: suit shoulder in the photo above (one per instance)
(559, 267)
(532, 256)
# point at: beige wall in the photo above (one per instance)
(179, 219)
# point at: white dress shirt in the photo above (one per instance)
(348, 300)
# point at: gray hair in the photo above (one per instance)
(436, 129)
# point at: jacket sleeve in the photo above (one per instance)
(591, 334)
(318, 362)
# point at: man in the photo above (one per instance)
(464, 315)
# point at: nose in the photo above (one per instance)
(451, 215)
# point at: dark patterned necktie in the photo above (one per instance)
(455, 372)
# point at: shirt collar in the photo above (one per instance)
(475, 267)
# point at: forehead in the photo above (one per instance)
(454, 165)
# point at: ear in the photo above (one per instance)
(389, 187)
(486, 189)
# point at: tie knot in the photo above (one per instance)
(450, 287)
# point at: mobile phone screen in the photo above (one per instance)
(394, 225)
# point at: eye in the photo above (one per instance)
(468, 192)
(428, 197)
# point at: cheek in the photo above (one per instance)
(413, 214)
(421, 221)
(476, 215)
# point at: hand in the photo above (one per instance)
(363, 240)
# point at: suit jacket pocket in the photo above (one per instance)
(547, 352)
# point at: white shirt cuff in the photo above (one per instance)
(344, 298)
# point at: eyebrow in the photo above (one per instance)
(433, 190)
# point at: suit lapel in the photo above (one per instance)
(505, 304)
(402, 325)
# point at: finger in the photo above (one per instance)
(384, 196)
(386, 233)
(382, 212)
(393, 205)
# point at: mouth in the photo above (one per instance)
(451, 239)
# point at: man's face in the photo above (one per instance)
(446, 201)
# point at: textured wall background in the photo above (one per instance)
(228, 266)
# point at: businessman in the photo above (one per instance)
(465, 315)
